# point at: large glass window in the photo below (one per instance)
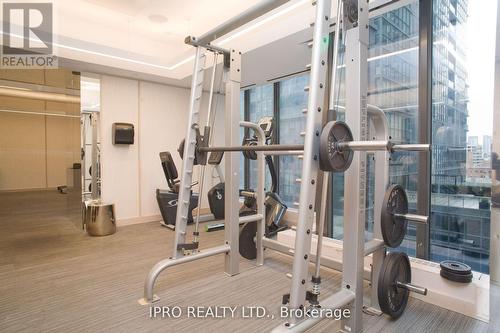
(260, 105)
(292, 100)
(461, 139)
(393, 87)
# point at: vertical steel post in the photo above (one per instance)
(356, 23)
(94, 120)
(232, 131)
(189, 148)
(424, 125)
(379, 121)
(310, 165)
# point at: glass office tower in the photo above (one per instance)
(461, 191)
(460, 200)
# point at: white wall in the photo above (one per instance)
(119, 164)
(131, 174)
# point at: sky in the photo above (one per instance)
(480, 62)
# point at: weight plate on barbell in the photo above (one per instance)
(391, 298)
(394, 228)
(455, 267)
(180, 150)
(330, 157)
(248, 248)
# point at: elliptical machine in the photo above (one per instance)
(275, 206)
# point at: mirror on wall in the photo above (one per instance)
(90, 143)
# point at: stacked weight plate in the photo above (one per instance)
(456, 271)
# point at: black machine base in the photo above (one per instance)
(167, 202)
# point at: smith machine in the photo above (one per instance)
(328, 147)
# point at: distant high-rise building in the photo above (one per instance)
(473, 141)
(460, 214)
(486, 147)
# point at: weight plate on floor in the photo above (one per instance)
(455, 267)
(394, 228)
(248, 248)
(391, 298)
(462, 278)
(330, 157)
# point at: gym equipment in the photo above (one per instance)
(275, 210)
(456, 271)
(394, 216)
(335, 147)
(248, 248)
(90, 124)
(330, 157)
(350, 295)
(216, 194)
(394, 227)
(394, 284)
(168, 199)
(275, 206)
(216, 200)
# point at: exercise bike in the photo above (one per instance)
(167, 199)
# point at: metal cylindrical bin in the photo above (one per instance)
(99, 218)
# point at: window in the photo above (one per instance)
(461, 158)
(292, 100)
(461, 161)
(260, 105)
(393, 87)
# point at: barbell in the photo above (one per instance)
(336, 147)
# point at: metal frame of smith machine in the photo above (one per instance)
(354, 23)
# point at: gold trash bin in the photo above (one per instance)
(98, 218)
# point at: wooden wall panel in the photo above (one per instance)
(23, 104)
(36, 150)
(35, 76)
(22, 151)
(64, 108)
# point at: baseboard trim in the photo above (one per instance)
(35, 189)
(138, 220)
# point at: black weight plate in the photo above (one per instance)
(330, 157)
(462, 278)
(392, 299)
(394, 228)
(248, 248)
(180, 150)
(455, 267)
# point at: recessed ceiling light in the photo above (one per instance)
(157, 18)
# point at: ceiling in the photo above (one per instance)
(146, 37)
